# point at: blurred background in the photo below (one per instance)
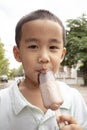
(73, 14)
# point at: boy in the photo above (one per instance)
(40, 39)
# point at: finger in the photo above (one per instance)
(67, 119)
(71, 127)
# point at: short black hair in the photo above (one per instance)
(38, 14)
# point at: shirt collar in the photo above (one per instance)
(19, 102)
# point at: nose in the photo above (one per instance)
(44, 57)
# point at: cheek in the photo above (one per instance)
(28, 64)
(56, 64)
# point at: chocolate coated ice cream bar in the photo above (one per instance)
(50, 92)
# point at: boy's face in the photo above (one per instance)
(41, 48)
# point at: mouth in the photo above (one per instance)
(41, 71)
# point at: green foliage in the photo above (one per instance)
(4, 63)
(76, 42)
(16, 72)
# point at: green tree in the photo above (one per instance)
(4, 63)
(76, 44)
(20, 71)
(16, 72)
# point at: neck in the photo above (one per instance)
(32, 94)
(29, 84)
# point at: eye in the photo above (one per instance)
(53, 47)
(33, 46)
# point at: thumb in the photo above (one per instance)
(67, 119)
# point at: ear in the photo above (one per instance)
(63, 54)
(16, 53)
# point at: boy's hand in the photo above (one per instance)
(69, 123)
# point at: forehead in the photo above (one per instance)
(42, 26)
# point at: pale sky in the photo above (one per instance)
(12, 10)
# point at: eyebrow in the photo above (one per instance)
(27, 40)
(32, 39)
(54, 40)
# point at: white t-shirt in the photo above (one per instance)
(16, 113)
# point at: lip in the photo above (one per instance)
(43, 70)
